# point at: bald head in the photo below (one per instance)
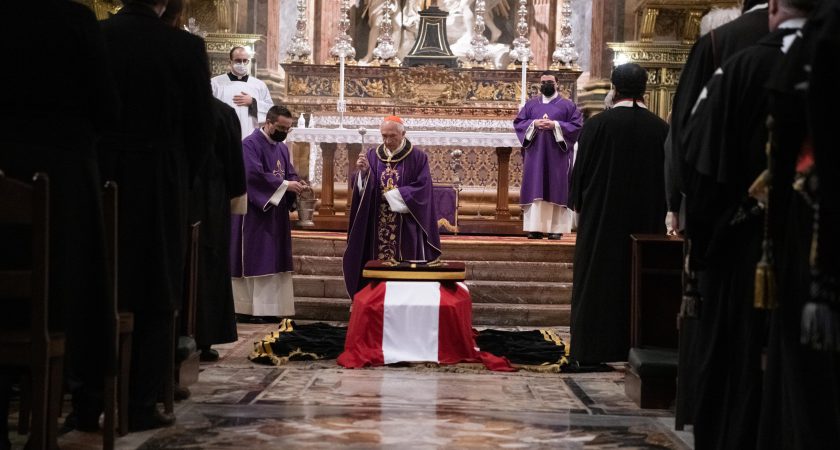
(779, 11)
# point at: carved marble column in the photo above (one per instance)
(502, 182)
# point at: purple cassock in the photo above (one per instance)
(547, 165)
(261, 240)
(375, 231)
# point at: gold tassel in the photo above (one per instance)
(765, 272)
(765, 285)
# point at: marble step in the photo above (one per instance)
(476, 270)
(511, 292)
(466, 250)
(492, 314)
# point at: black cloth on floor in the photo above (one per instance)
(533, 347)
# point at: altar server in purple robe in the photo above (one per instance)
(261, 240)
(548, 127)
(393, 215)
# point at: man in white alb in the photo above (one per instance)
(246, 94)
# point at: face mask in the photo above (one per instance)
(608, 100)
(278, 136)
(240, 69)
(547, 89)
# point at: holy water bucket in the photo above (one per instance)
(306, 209)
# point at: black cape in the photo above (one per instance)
(155, 151)
(801, 402)
(707, 54)
(221, 179)
(69, 38)
(617, 188)
(726, 139)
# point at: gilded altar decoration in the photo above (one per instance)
(415, 92)
(433, 85)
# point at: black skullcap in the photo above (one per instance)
(630, 80)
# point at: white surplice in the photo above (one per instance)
(225, 89)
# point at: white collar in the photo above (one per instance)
(267, 136)
(390, 153)
(548, 99)
(628, 104)
(756, 7)
(795, 23)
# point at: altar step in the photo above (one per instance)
(513, 281)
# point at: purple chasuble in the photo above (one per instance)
(261, 240)
(547, 164)
(376, 232)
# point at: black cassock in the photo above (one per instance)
(617, 188)
(221, 179)
(725, 142)
(801, 403)
(707, 54)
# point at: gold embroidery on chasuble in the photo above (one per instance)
(278, 170)
(386, 224)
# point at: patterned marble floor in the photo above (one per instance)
(237, 404)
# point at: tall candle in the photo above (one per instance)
(524, 81)
(341, 79)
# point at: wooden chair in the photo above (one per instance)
(184, 368)
(119, 329)
(37, 349)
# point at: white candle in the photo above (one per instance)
(524, 81)
(341, 79)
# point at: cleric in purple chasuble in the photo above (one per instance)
(261, 240)
(547, 126)
(393, 213)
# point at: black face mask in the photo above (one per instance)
(278, 136)
(547, 89)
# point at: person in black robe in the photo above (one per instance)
(56, 134)
(725, 152)
(801, 402)
(221, 181)
(617, 190)
(707, 54)
(154, 153)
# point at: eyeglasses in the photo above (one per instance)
(242, 61)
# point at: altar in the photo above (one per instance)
(463, 160)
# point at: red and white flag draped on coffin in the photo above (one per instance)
(413, 321)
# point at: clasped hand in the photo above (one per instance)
(544, 124)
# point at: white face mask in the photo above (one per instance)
(608, 100)
(240, 69)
